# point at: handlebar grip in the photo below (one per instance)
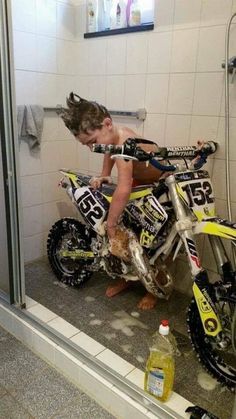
(210, 147)
(107, 148)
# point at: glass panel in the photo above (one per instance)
(4, 270)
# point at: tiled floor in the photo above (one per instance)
(117, 324)
(29, 388)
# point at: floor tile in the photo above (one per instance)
(63, 327)
(87, 343)
(115, 362)
(9, 408)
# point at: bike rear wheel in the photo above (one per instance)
(66, 236)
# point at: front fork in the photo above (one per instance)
(202, 289)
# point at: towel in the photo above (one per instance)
(30, 125)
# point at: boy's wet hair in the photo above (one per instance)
(83, 115)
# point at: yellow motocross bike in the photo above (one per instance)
(162, 220)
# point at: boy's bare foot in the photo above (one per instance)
(147, 302)
(113, 290)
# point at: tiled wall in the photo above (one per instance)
(174, 72)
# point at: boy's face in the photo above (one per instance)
(103, 135)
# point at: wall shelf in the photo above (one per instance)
(108, 32)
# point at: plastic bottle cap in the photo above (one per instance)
(164, 327)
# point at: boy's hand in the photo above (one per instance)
(96, 182)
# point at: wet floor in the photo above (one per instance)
(118, 324)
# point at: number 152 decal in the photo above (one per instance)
(199, 193)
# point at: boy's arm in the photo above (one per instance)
(108, 164)
(120, 196)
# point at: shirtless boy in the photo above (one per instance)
(91, 124)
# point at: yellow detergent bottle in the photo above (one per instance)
(160, 368)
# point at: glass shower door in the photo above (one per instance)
(4, 268)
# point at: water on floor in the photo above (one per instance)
(119, 325)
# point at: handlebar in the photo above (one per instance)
(130, 150)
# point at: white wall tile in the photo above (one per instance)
(187, 13)
(30, 164)
(31, 190)
(97, 89)
(81, 86)
(46, 89)
(211, 48)
(157, 93)
(67, 152)
(177, 129)
(115, 92)
(50, 127)
(24, 15)
(97, 56)
(136, 54)
(46, 17)
(53, 211)
(221, 208)
(203, 127)
(82, 157)
(184, 50)
(154, 128)
(218, 179)
(233, 180)
(95, 163)
(215, 12)
(82, 57)
(164, 15)
(25, 52)
(65, 85)
(51, 191)
(116, 55)
(208, 92)
(25, 87)
(63, 132)
(159, 52)
(135, 87)
(65, 21)
(66, 63)
(180, 98)
(50, 157)
(46, 54)
(32, 220)
(33, 247)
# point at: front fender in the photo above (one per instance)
(216, 227)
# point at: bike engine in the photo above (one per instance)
(114, 265)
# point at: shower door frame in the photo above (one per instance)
(8, 134)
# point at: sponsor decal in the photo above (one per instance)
(193, 252)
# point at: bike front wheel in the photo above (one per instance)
(220, 363)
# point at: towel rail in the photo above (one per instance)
(139, 114)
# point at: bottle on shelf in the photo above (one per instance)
(160, 367)
(92, 18)
(134, 13)
(118, 14)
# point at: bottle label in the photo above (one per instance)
(155, 384)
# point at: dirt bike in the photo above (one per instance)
(161, 220)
